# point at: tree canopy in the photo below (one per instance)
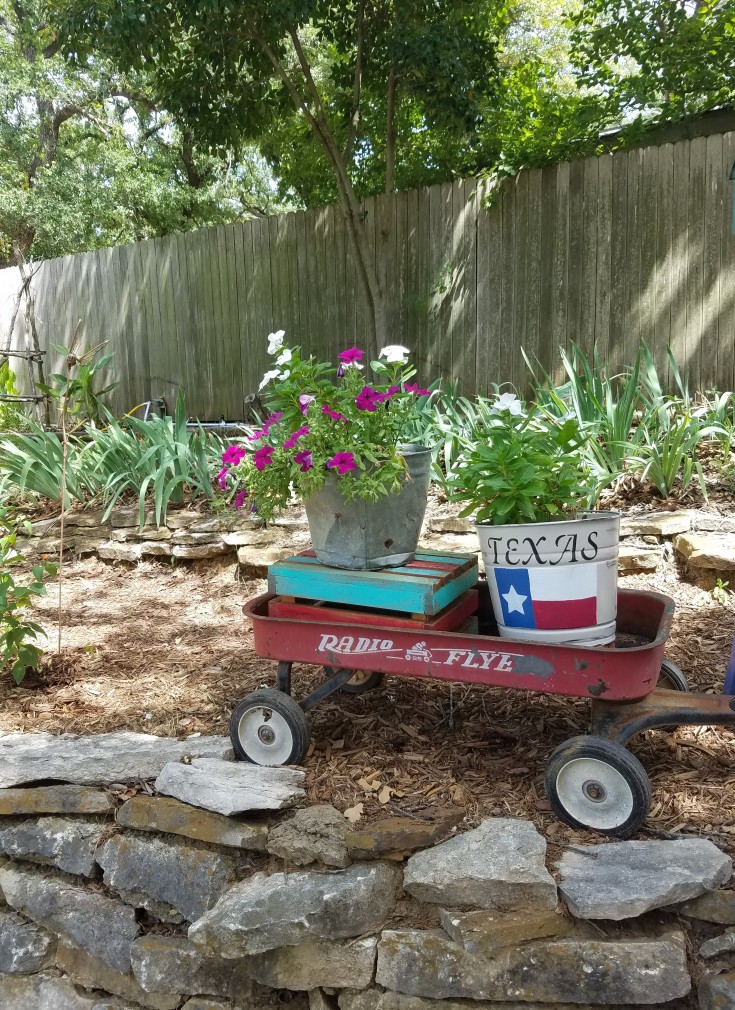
(90, 158)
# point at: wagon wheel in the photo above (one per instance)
(269, 728)
(596, 783)
(362, 682)
(672, 678)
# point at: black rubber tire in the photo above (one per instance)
(371, 682)
(622, 803)
(671, 677)
(293, 732)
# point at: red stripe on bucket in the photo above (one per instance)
(552, 615)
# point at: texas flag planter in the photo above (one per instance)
(554, 582)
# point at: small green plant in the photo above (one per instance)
(12, 417)
(668, 454)
(78, 391)
(524, 467)
(720, 593)
(19, 649)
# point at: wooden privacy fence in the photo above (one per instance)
(603, 251)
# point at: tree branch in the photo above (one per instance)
(356, 87)
(390, 131)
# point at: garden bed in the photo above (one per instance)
(165, 649)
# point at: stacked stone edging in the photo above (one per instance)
(171, 903)
(705, 542)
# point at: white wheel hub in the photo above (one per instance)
(594, 793)
(360, 678)
(266, 737)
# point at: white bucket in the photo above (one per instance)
(554, 582)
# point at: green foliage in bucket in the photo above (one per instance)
(522, 466)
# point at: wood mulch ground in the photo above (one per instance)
(166, 650)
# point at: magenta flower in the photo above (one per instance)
(305, 402)
(334, 414)
(256, 437)
(239, 499)
(390, 392)
(368, 399)
(304, 461)
(299, 433)
(351, 356)
(263, 457)
(273, 419)
(222, 478)
(232, 455)
(413, 388)
(342, 462)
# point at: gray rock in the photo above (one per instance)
(717, 992)
(182, 520)
(161, 813)
(253, 538)
(115, 1003)
(489, 930)
(168, 963)
(632, 558)
(314, 834)
(426, 963)
(153, 549)
(204, 1003)
(376, 999)
(279, 910)
(229, 788)
(718, 944)
(54, 800)
(193, 552)
(109, 757)
(714, 551)
(87, 518)
(24, 947)
(93, 973)
(449, 524)
(103, 926)
(498, 865)
(110, 551)
(663, 524)
(189, 537)
(320, 963)
(257, 560)
(715, 906)
(320, 1000)
(42, 992)
(130, 517)
(147, 533)
(55, 841)
(713, 524)
(151, 871)
(619, 880)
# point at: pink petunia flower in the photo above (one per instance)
(273, 419)
(413, 388)
(305, 402)
(239, 499)
(368, 399)
(263, 457)
(232, 455)
(388, 394)
(334, 414)
(342, 462)
(304, 461)
(351, 356)
(222, 478)
(299, 433)
(256, 437)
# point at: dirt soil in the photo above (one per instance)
(166, 650)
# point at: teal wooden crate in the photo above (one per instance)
(424, 586)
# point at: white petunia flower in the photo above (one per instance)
(273, 374)
(275, 341)
(509, 402)
(395, 354)
(284, 357)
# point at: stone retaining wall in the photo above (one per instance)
(705, 542)
(146, 872)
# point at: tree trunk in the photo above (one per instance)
(390, 133)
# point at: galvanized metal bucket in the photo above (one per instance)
(371, 535)
(554, 582)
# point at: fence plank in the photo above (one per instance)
(603, 251)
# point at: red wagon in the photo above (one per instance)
(591, 781)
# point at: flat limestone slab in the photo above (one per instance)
(619, 880)
(102, 759)
(170, 816)
(54, 800)
(231, 788)
(500, 864)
